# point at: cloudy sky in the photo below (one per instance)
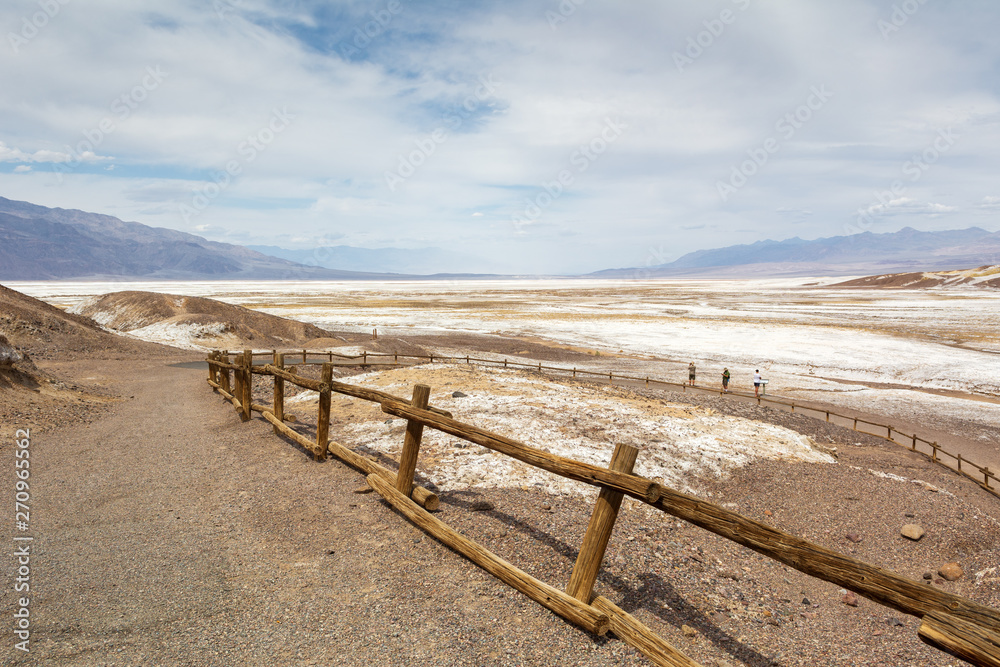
(535, 136)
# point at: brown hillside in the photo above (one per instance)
(196, 321)
(43, 396)
(46, 332)
(984, 276)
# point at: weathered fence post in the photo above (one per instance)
(602, 522)
(411, 442)
(237, 377)
(303, 356)
(211, 367)
(279, 390)
(323, 419)
(224, 377)
(364, 357)
(246, 386)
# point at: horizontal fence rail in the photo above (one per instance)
(981, 475)
(950, 622)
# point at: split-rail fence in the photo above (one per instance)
(959, 626)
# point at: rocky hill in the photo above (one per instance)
(194, 322)
(32, 330)
(39, 243)
(42, 331)
(984, 276)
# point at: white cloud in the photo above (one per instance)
(84, 80)
(907, 206)
(8, 154)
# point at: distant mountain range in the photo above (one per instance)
(39, 243)
(905, 250)
(414, 261)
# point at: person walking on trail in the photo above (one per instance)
(756, 383)
(691, 374)
(725, 380)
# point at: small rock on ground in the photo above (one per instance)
(951, 571)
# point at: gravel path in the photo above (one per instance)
(169, 533)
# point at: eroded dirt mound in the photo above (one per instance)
(984, 276)
(43, 331)
(43, 396)
(194, 322)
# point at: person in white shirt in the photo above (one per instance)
(756, 382)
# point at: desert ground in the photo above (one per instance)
(926, 360)
(168, 532)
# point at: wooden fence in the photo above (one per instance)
(955, 624)
(981, 475)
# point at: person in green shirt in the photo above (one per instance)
(725, 380)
